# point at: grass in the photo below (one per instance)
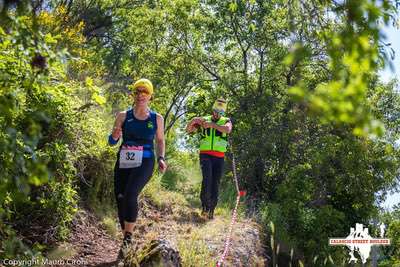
(107, 215)
(161, 197)
(62, 251)
(194, 251)
(110, 225)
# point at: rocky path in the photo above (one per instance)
(92, 245)
(182, 227)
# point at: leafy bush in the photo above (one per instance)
(40, 112)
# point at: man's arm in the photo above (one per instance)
(191, 127)
(226, 128)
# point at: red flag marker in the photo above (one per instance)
(242, 193)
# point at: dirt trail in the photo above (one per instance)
(95, 248)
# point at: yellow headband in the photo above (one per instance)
(143, 83)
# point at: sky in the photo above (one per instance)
(393, 37)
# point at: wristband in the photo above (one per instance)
(160, 158)
(111, 140)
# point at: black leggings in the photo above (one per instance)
(128, 183)
(212, 169)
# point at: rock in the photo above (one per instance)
(156, 253)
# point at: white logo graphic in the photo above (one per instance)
(383, 227)
(360, 241)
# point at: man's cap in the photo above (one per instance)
(220, 105)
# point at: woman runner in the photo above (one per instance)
(137, 127)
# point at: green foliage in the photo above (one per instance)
(40, 112)
(391, 254)
(308, 109)
(32, 153)
(352, 39)
(227, 194)
(394, 234)
(312, 169)
(173, 176)
(183, 171)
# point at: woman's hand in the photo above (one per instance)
(162, 165)
(117, 132)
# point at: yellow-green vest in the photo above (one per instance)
(212, 139)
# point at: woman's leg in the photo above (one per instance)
(137, 179)
(120, 180)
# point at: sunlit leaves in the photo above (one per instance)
(98, 98)
(95, 90)
(233, 7)
(353, 53)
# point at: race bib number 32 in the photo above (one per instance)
(130, 157)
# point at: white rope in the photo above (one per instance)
(234, 214)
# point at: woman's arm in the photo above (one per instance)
(160, 140)
(117, 129)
